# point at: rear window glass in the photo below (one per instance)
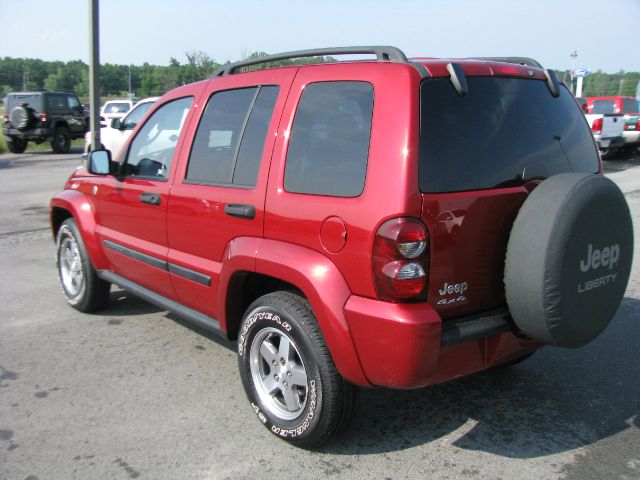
(32, 100)
(503, 132)
(329, 143)
(604, 106)
(116, 107)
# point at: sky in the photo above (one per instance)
(603, 32)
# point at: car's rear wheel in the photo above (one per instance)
(288, 374)
(84, 290)
(16, 144)
(61, 142)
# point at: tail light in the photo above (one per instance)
(597, 125)
(5, 117)
(43, 117)
(400, 252)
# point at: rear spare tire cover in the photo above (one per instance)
(569, 259)
(20, 117)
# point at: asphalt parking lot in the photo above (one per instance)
(134, 393)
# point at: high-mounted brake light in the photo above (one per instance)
(597, 125)
(400, 254)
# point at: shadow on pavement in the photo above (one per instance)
(556, 401)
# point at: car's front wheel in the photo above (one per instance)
(85, 291)
(288, 374)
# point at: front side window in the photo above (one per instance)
(231, 135)
(329, 142)
(73, 102)
(136, 115)
(151, 151)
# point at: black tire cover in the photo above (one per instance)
(20, 117)
(569, 259)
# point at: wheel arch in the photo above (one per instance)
(271, 265)
(73, 204)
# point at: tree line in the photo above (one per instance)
(17, 74)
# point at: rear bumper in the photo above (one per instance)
(409, 346)
(609, 142)
(631, 136)
(36, 133)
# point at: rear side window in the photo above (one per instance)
(629, 106)
(504, 132)
(56, 103)
(329, 142)
(228, 145)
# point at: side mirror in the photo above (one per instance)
(99, 162)
(116, 123)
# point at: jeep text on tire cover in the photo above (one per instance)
(320, 214)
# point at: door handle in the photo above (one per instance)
(240, 211)
(150, 198)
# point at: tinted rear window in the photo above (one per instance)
(604, 106)
(503, 132)
(33, 100)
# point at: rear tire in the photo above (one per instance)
(288, 373)
(61, 142)
(85, 291)
(16, 144)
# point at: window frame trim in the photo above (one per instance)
(125, 158)
(293, 122)
(258, 88)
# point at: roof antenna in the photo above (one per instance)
(458, 78)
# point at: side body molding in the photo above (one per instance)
(81, 208)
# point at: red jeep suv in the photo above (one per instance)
(302, 211)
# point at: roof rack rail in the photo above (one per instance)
(383, 54)
(519, 60)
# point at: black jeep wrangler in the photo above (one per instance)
(56, 117)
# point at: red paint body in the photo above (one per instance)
(289, 240)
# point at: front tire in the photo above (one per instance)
(288, 374)
(84, 290)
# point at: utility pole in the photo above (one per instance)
(94, 72)
(130, 95)
(574, 55)
(621, 84)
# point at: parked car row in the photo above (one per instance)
(615, 123)
(54, 117)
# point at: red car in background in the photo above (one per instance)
(627, 106)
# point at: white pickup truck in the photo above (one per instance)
(607, 131)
